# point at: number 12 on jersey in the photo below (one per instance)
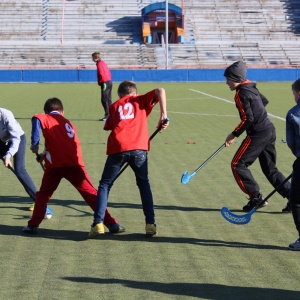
(126, 113)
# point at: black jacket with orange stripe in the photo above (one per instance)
(251, 106)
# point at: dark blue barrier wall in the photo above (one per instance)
(273, 74)
(50, 75)
(182, 75)
(138, 75)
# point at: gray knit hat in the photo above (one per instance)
(236, 72)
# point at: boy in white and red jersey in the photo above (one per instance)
(129, 143)
(63, 159)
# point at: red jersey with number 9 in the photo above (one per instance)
(127, 121)
(61, 141)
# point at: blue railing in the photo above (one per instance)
(180, 75)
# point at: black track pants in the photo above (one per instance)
(295, 194)
(261, 146)
(106, 96)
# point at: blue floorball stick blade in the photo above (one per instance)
(49, 210)
(236, 219)
(185, 178)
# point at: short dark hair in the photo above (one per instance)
(127, 87)
(296, 85)
(96, 55)
(53, 104)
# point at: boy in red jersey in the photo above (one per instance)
(129, 143)
(63, 159)
(104, 81)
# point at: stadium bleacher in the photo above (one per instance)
(52, 34)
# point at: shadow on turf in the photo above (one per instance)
(69, 203)
(197, 290)
(72, 203)
(81, 236)
(19, 202)
(183, 208)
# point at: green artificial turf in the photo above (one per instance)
(197, 254)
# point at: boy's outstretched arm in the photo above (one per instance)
(161, 95)
(35, 134)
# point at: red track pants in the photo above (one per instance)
(79, 178)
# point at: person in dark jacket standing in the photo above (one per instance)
(259, 141)
(293, 142)
(104, 81)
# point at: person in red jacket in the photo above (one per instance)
(63, 159)
(129, 143)
(104, 81)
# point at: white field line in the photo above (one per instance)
(211, 96)
(276, 117)
(231, 102)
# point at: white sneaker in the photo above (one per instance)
(295, 246)
(48, 216)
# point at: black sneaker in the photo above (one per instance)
(103, 119)
(116, 228)
(295, 245)
(255, 202)
(287, 209)
(30, 229)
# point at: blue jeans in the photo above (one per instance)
(19, 166)
(138, 161)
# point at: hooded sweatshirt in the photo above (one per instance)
(251, 106)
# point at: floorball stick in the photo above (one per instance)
(38, 158)
(246, 218)
(151, 137)
(185, 178)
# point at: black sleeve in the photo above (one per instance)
(246, 115)
(264, 100)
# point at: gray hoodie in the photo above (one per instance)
(10, 131)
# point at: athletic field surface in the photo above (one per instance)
(197, 254)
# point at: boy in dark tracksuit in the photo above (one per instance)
(259, 142)
(293, 141)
